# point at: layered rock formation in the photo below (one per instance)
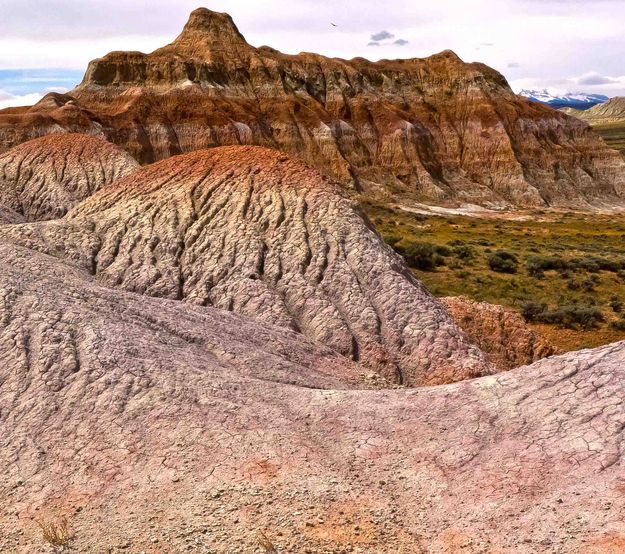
(45, 177)
(152, 425)
(249, 230)
(503, 334)
(434, 129)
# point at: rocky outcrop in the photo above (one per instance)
(501, 333)
(249, 230)
(435, 129)
(54, 114)
(150, 424)
(45, 177)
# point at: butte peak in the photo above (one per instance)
(208, 21)
(207, 32)
(435, 129)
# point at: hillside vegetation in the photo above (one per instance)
(565, 272)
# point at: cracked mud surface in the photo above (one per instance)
(158, 426)
(157, 422)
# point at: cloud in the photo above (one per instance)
(377, 39)
(382, 35)
(594, 78)
(8, 100)
(60, 90)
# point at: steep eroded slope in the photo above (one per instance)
(45, 177)
(435, 129)
(249, 230)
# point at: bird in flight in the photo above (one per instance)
(333, 24)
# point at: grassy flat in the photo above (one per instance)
(613, 135)
(543, 234)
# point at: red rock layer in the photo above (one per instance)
(502, 334)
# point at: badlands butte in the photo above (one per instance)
(435, 129)
(206, 346)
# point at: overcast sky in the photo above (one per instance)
(564, 45)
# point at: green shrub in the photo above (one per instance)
(589, 285)
(618, 325)
(572, 284)
(616, 304)
(392, 240)
(531, 310)
(571, 316)
(537, 265)
(464, 252)
(594, 265)
(420, 255)
(503, 262)
(443, 250)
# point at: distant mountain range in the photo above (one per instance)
(608, 119)
(578, 100)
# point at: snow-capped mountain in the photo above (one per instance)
(578, 100)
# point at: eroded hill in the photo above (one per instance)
(43, 178)
(247, 229)
(151, 424)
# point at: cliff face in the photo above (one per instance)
(435, 129)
